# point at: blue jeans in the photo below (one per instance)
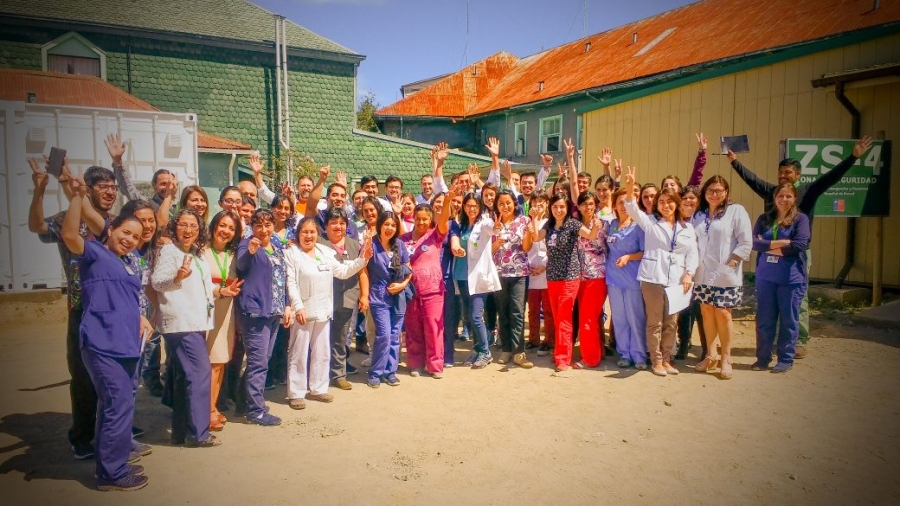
(259, 340)
(452, 315)
(476, 313)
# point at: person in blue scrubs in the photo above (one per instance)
(110, 336)
(626, 249)
(781, 236)
(389, 276)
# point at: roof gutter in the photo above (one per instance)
(263, 47)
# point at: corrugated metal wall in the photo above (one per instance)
(771, 103)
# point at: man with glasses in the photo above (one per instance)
(807, 195)
(102, 192)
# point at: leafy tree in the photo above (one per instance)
(365, 113)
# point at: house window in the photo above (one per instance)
(551, 134)
(521, 134)
(73, 54)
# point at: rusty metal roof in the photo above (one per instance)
(703, 32)
(85, 91)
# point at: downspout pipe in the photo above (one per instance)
(850, 251)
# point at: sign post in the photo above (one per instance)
(865, 189)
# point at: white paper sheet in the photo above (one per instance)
(678, 300)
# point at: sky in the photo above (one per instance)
(409, 40)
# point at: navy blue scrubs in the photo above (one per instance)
(110, 346)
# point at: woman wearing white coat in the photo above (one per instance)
(311, 269)
(725, 239)
(670, 259)
(474, 271)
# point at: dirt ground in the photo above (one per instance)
(823, 434)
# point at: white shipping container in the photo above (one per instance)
(155, 140)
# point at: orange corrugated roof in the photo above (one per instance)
(706, 31)
(85, 91)
(457, 93)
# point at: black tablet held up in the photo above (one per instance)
(57, 156)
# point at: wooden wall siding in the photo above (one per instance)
(771, 103)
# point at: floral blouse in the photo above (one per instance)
(563, 262)
(593, 254)
(511, 259)
(279, 277)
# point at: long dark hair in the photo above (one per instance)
(585, 196)
(551, 220)
(674, 196)
(425, 206)
(202, 233)
(238, 228)
(640, 197)
(277, 202)
(392, 241)
(704, 205)
(517, 209)
(186, 194)
(464, 217)
(772, 213)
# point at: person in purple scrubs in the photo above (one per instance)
(389, 277)
(110, 336)
(781, 236)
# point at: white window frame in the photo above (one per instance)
(89, 50)
(520, 151)
(545, 136)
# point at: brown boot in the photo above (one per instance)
(522, 361)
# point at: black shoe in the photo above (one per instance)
(363, 348)
(82, 451)
(351, 369)
(155, 389)
(137, 432)
(530, 346)
(128, 483)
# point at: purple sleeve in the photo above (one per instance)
(758, 230)
(697, 174)
(800, 237)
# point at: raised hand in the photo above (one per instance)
(630, 177)
(506, 172)
(605, 156)
(861, 146)
(547, 161)
(253, 245)
(617, 168)
(561, 167)
(38, 177)
(441, 151)
(287, 190)
(255, 164)
(341, 178)
(701, 141)
(185, 270)
(115, 147)
(732, 156)
(324, 171)
(493, 147)
(570, 148)
(231, 290)
(474, 173)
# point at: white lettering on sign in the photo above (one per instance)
(809, 152)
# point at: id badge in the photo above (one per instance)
(551, 242)
(771, 259)
(323, 267)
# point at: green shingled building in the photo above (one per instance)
(216, 58)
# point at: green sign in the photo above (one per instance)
(865, 189)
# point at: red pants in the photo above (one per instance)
(562, 298)
(540, 300)
(591, 296)
(425, 333)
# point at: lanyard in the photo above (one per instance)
(199, 267)
(674, 237)
(775, 231)
(708, 221)
(223, 267)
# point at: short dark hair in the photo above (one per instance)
(584, 175)
(367, 179)
(335, 213)
(261, 215)
(97, 174)
(528, 174)
(159, 173)
(790, 162)
(226, 190)
(305, 176)
(392, 178)
(247, 200)
(335, 185)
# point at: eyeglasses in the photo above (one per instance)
(188, 226)
(231, 202)
(712, 191)
(106, 188)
